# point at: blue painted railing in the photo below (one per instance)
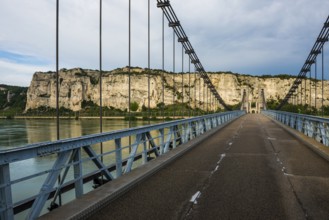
(312, 126)
(100, 157)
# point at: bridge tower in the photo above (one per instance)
(251, 102)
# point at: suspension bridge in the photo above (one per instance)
(227, 165)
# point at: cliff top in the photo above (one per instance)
(135, 70)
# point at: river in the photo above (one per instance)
(20, 132)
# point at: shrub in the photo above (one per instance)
(134, 106)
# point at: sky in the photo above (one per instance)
(253, 37)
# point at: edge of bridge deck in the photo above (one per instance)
(89, 203)
(311, 143)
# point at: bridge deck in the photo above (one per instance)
(252, 169)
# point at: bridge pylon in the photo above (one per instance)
(253, 101)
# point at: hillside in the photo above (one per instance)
(79, 90)
(12, 99)
(79, 86)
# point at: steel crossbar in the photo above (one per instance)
(312, 126)
(79, 161)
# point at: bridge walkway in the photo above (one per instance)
(252, 169)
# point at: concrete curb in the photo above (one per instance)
(95, 200)
(311, 143)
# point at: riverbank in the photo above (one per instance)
(97, 117)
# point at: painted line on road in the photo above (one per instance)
(221, 158)
(218, 162)
(195, 197)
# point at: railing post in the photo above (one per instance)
(144, 153)
(118, 157)
(197, 128)
(161, 131)
(175, 137)
(78, 173)
(184, 133)
(317, 131)
(323, 135)
(299, 124)
(6, 202)
(190, 127)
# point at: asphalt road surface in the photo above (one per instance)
(252, 169)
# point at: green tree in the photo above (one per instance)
(134, 106)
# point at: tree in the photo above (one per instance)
(134, 106)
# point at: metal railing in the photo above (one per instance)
(312, 126)
(76, 161)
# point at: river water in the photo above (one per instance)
(20, 132)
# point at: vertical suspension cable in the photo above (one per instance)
(149, 63)
(182, 78)
(212, 102)
(315, 89)
(57, 87)
(200, 94)
(129, 58)
(203, 97)
(100, 78)
(129, 69)
(301, 93)
(195, 86)
(163, 48)
(305, 97)
(173, 97)
(57, 70)
(310, 88)
(322, 81)
(100, 84)
(207, 99)
(189, 87)
(297, 96)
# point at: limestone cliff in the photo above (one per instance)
(78, 85)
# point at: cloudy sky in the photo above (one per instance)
(246, 36)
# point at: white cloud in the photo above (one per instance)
(18, 74)
(248, 36)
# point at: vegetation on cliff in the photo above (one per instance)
(12, 100)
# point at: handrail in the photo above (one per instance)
(77, 161)
(312, 126)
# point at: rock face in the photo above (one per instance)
(78, 85)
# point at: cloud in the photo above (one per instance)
(20, 58)
(246, 36)
(18, 74)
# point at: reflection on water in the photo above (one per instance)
(17, 133)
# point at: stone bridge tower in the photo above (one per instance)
(253, 101)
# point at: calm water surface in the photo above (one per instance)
(21, 132)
